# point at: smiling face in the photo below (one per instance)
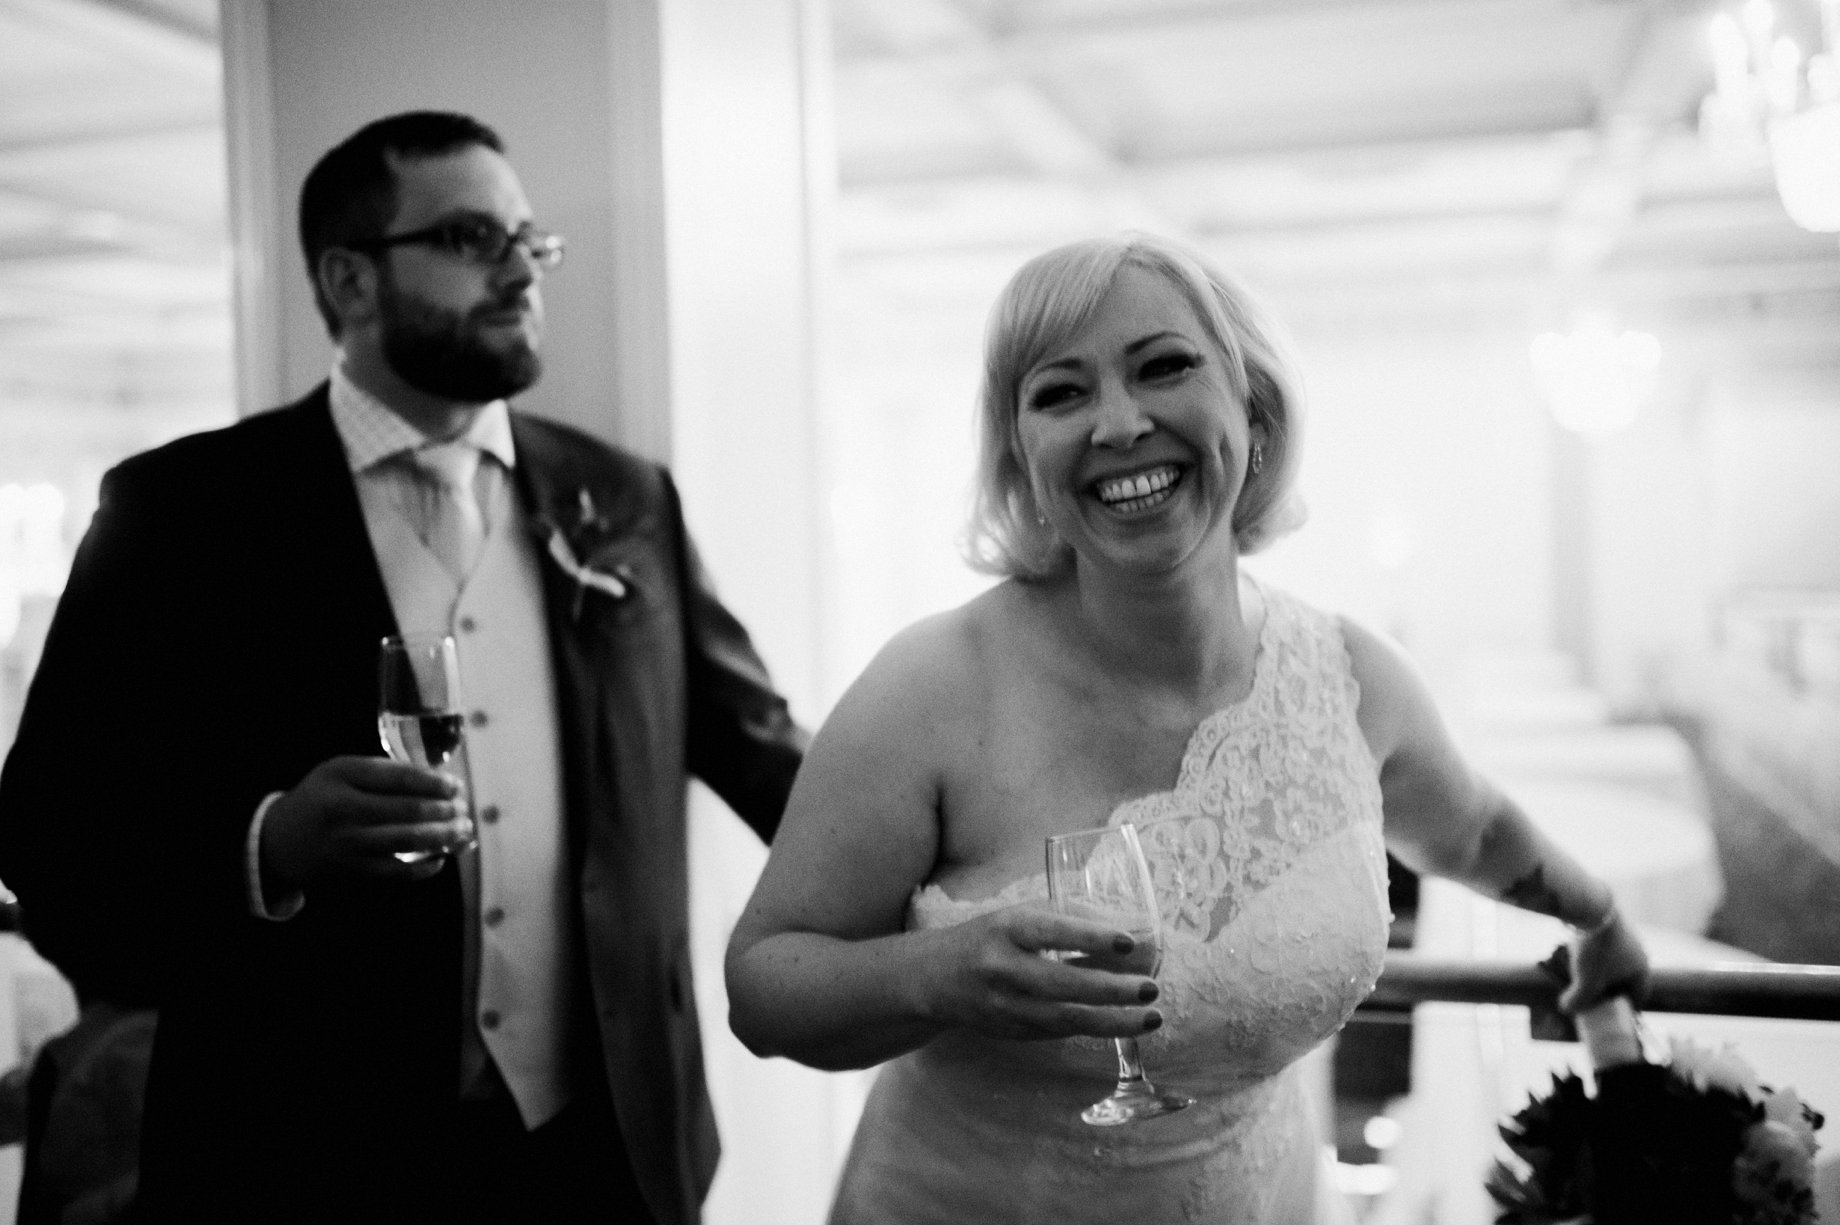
(447, 326)
(1133, 439)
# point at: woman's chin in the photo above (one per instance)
(1152, 550)
(1144, 556)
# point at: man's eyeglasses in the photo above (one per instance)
(477, 240)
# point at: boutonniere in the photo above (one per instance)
(616, 584)
(588, 520)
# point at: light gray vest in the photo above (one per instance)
(519, 993)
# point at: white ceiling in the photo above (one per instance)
(1359, 159)
(112, 232)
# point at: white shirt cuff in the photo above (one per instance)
(285, 907)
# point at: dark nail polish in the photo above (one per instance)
(1123, 944)
(1152, 1021)
(1147, 992)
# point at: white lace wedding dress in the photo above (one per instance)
(1272, 874)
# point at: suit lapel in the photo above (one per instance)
(549, 484)
(329, 537)
(305, 556)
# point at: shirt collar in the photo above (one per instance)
(373, 433)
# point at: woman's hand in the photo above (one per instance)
(1605, 962)
(990, 975)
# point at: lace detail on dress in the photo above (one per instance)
(1261, 781)
(1271, 874)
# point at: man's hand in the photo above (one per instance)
(347, 819)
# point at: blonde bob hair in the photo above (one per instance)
(1048, 301)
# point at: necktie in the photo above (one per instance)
(452, 525)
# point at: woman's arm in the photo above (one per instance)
(819, 966)
(1444, 818)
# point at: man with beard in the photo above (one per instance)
(385, 995)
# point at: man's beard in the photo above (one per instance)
(437, 351)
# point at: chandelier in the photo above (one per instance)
(1770, 102)
(1595, 378)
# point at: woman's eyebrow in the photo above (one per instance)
(1131, 350)
(1151, 339)
(1059, 363)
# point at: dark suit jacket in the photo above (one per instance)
(217, 639)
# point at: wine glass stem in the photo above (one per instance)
(1130, 1068)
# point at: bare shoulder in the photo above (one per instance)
(923, 690)
(866, 807)
(1373, 655)
(928, 665)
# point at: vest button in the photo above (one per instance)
(489, 814)
(494, 916)
(489, 1019)
(477, 718)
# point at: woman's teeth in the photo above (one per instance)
(1139, 492)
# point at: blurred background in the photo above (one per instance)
(1563, 276)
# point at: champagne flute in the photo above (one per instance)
(418, 706)
(1101, 874)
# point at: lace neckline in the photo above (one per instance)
(1196, 754)
(1214, 724)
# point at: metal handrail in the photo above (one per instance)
(1740, 989)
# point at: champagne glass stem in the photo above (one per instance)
(1133, 1097)
(1130, 1066)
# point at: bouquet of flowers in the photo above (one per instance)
(1694, 1139)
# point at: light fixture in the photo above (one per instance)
(1595, 378)
(1768, 102)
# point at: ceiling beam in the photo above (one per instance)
(45, 246)
(112, 221)
(100, 301)
(1444, 136)
(1743, 282)
(1040, 133)
(1678, 218)
(1021, 50)
(1663, 76)
(128, 32)
(1055, 147)
(184, 24)
(88, 139)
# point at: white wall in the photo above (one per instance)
(1654, 581)
(1773, 455)
(898, 439)
(1427, 469)
(748, 180)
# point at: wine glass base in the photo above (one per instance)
(424, 856)
(1132, 1102)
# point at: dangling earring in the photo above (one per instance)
(1258, 458)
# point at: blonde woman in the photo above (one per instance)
(1140, 433)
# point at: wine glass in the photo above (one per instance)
(418, 706)
(1101, 874)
